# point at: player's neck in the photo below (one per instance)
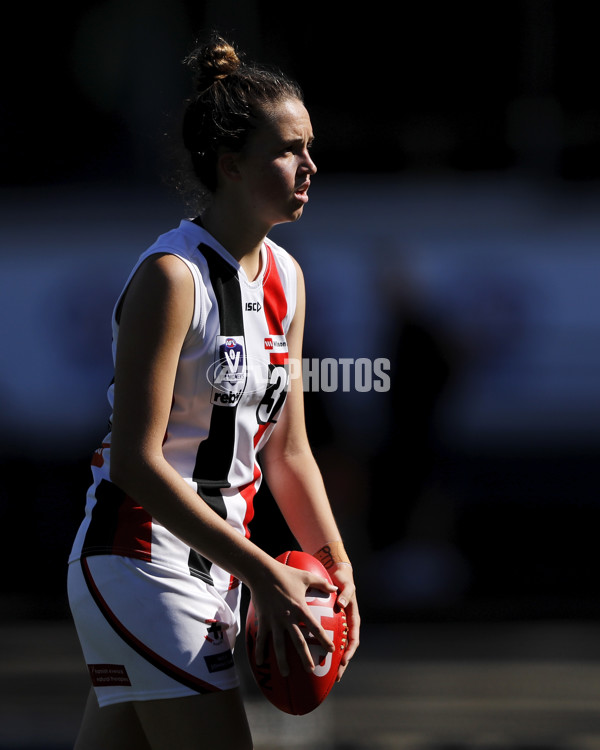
(242, 239)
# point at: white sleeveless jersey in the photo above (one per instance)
(230, 386)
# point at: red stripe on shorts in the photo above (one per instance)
(185, 678)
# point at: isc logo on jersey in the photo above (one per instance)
(229, 372)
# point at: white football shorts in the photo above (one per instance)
(148, 632)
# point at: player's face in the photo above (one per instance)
(276, 163)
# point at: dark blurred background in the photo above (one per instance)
(453, 229)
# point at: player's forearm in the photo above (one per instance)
(153, 483)
(296, 483)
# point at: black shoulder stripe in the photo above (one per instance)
(215, 454)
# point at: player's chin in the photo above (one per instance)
(297, 209)
(292, 215)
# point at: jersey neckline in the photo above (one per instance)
(208, 239)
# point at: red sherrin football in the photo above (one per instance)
(301, 691)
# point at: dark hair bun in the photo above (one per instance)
(212, 62)
(230, 96)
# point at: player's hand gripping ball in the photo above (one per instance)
(301, 691)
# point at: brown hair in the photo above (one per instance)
(230, 96)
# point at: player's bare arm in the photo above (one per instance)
(296, 483)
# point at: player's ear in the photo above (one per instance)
(228, 165)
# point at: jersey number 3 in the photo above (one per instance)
(274, 397)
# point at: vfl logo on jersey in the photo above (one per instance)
(229, 372)
(276, 343)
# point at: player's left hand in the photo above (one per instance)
(343, 577)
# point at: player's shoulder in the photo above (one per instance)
(162, 275)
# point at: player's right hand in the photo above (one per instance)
(280, 603)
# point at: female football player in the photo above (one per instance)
(202, 333)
